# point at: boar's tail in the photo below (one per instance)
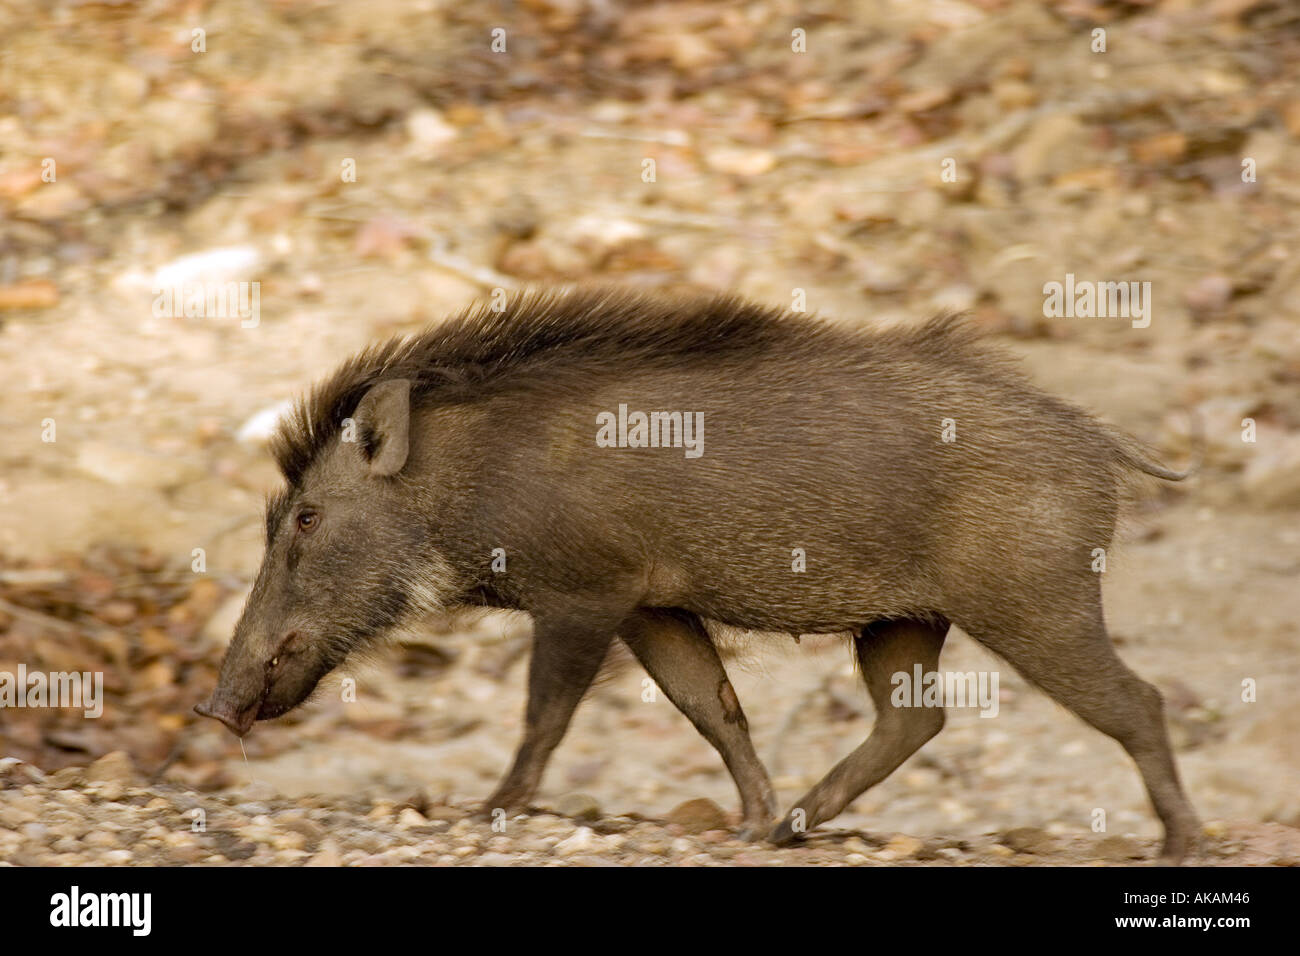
(1134, 454)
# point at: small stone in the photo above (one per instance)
(328, 855)
(232, 847)
(101, 838)
(1118, 849)
(111, 792)
(1028, 840)
(901, 847)
(698, 815)
(261, 425)
(428, 132)
(115, 767)
(17, 772)
(14, 817)
(68, 777)
(578, 806)
(410, 818)
(740, 162)
(1208, 295)
(308, 828)
(227, 264)
(580, 842)
(288, 840)
(35, 831)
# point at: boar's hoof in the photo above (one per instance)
(784, 834)
(1178, 847)
(754, 832)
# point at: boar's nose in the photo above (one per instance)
(239, 721)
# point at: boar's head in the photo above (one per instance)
(347, 558)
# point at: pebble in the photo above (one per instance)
(110, 792)
(1118, 849)
(578, 806)
(698, 815)
(1028, 840)
(327, 856)
(410, 818)
(581, 841)
(901, 847)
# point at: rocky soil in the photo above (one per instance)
(104, 815)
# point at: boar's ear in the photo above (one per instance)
(384, 417)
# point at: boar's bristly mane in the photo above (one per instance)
(484, 348)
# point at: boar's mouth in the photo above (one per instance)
(279, 693)
(238, 721)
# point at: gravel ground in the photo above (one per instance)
(103, 815)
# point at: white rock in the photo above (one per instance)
(429, 132)
(225, 264)
(410, 817)
(259, 428)
(582, 840)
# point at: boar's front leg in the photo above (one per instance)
(883, 650)
(568, 650)
(680, 658)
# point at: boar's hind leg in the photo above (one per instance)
(567, 653)
(883, 649)
(679, 656)
(1074, 663)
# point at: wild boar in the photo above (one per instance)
(643, 466)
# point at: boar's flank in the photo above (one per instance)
(922, 480)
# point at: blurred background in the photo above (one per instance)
(370, 168)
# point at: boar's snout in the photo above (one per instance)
(261, 680)
(222, 708)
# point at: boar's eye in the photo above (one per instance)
(308, 521)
